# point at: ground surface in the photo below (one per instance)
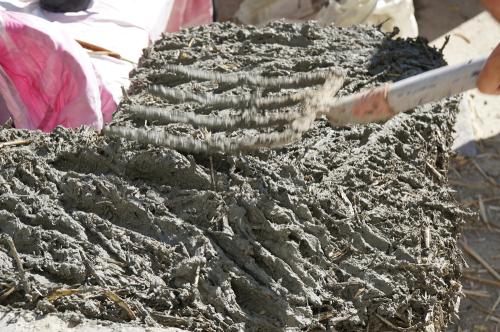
(352, 227)
(476, 180)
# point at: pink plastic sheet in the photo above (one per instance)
(188, 13)
(46, 78)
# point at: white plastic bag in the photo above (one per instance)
(344, 13)
(391, 13)
(263, 11)
(395, 13)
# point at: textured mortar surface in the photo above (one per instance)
(329, 232)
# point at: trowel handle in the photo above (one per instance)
(434, 85)
(386, 101)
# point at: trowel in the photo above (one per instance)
(285, 125)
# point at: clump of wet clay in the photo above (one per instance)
(351, 228)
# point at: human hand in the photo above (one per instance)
(493, 6)
(489, 78)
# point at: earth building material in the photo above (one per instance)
(352, 228)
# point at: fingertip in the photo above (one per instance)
(488, 80)
(486, 86)
(493, 6)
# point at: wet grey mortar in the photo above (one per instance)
(325, 233)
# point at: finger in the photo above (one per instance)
(489, 78)
(493, 6)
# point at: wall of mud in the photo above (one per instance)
(353, 228)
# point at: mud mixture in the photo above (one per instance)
(353, 228)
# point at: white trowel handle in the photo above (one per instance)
(386, 101)
(434, 85)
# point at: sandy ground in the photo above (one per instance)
(476, 180)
